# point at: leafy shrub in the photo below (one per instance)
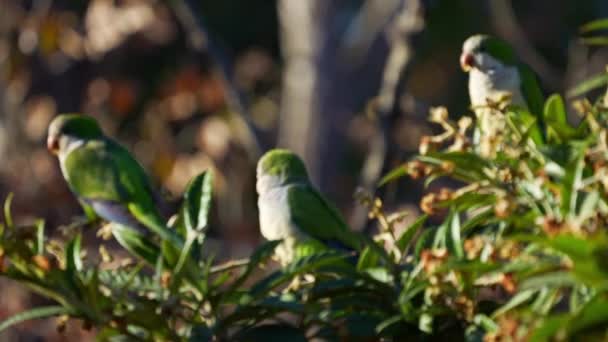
(520, 252)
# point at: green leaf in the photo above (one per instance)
(485, 322)
(588, 256)
(555, 117)
(425, 240)
(552, 279)
(367, 259)
(72, 255)
(467, 166)
(555, 110)
(388, 324)
(197, 201)
(571, 181)
(39, 236)
(595, 25)
(136, 243)
(515, 301)
(589, 206)
(380, 274)
(589, 84)
(43, 312)
(425, 323)
(525, 125)
(453, 240)
(396, 173)
(8, 217)
(548, 328)
(595, 41)
(184, 254)
(408, 235)
(593, 313)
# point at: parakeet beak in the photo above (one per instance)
(467, 61)
(52, 144)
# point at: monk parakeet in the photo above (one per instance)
(104, 176)
(496, 74)
(291, 209)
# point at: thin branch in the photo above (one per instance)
(229, 265)
(201, 41)
(408, 22)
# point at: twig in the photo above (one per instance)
(408, 22)
(201, 41)
(229, 265)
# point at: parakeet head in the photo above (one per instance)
(278, 167)
(486, 53)
(70, 127)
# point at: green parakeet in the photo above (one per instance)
(495, 73)
(104, 176)
(291, 209)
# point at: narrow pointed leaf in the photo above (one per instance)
(589, 84)
(42, 312)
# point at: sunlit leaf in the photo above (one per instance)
(410, 232)
(8, 217)
(72, 257)
(595, 41)
(42, 312)
(515, 301)
(136, 243)
(400, 171)
(599, 24)
(197, 201)
(454, 241)
(589, 84)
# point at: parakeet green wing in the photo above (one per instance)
(314, 216)
(103, 170)
(531, 90)
(534, 98)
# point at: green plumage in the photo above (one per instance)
(316, 217)
(98, 169)
(291, 209)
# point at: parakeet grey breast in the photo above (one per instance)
(493, 80)
(275, 215)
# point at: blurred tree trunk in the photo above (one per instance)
(298, 128)
(327, 80)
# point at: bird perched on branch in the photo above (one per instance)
(291, 209)
(105, 177)
(497, 76)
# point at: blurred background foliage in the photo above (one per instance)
(184, 100)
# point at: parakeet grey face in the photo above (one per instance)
(278, 167)
(486, 53)
(68, 127)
